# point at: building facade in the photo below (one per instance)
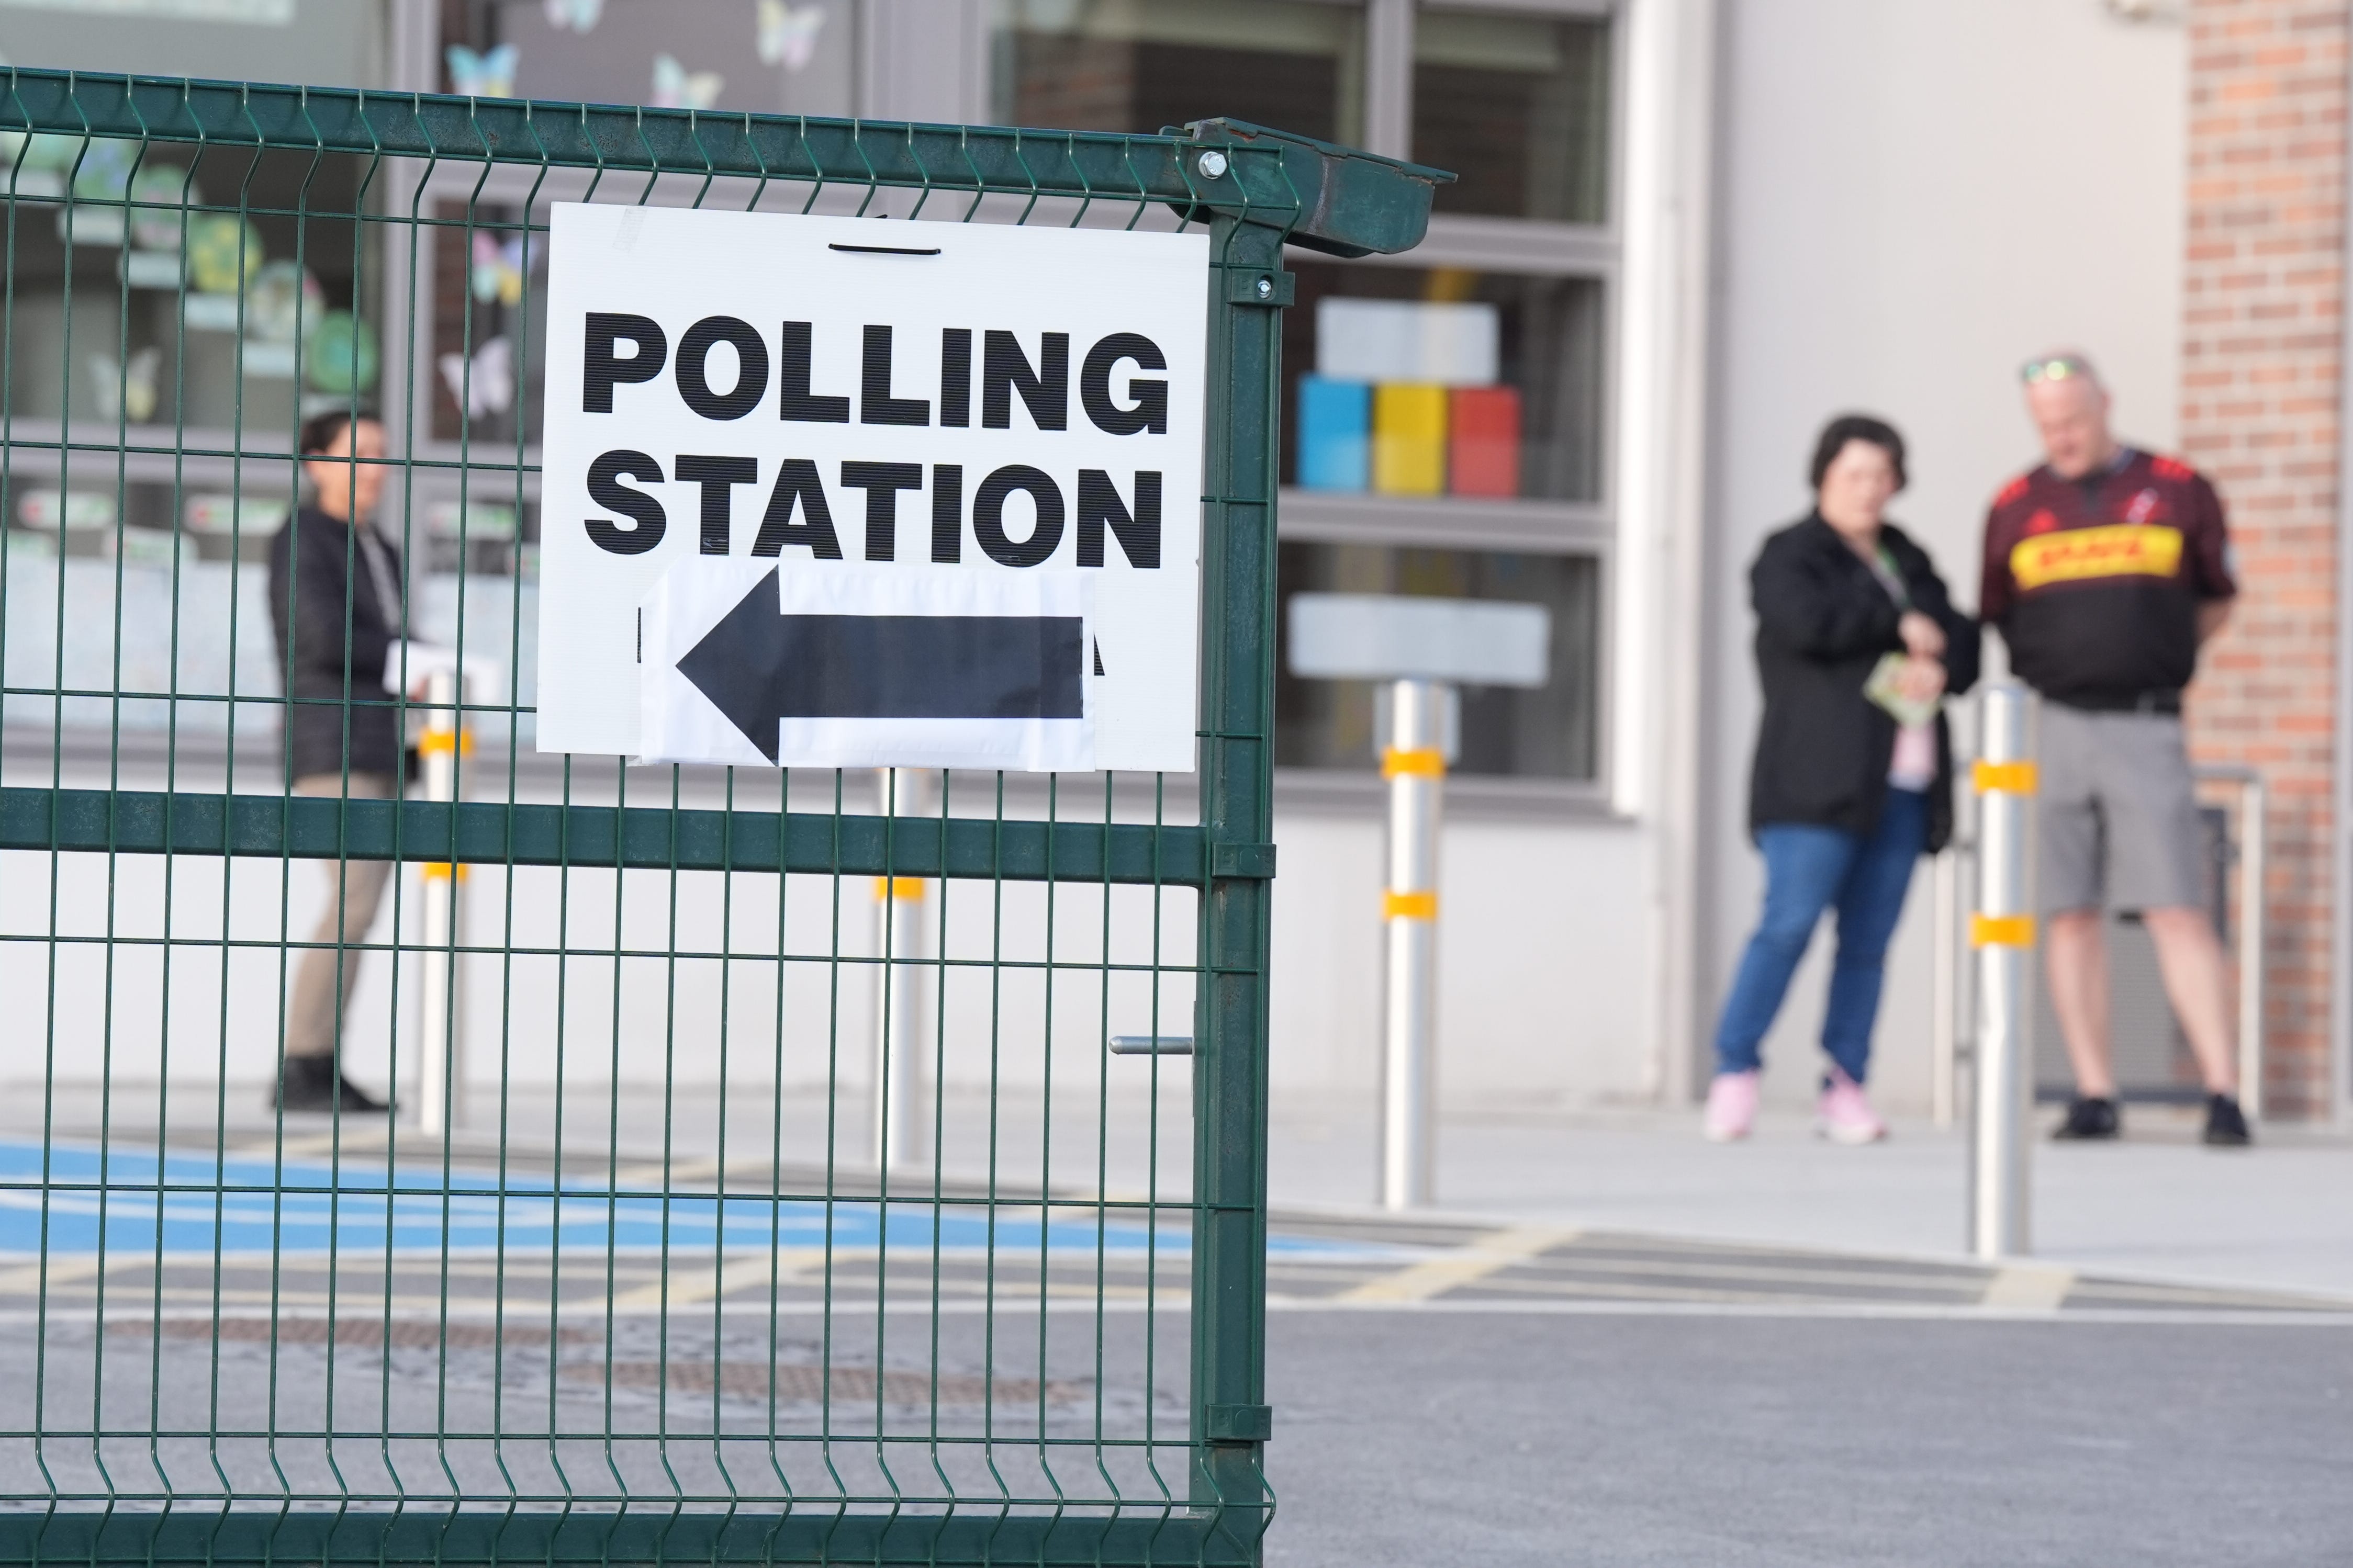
(1685, 233)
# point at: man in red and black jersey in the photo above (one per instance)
(2105, 570)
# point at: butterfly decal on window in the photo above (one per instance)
(485, 385)
(675, 87)
(499, 267)
(788, 32)
(576, 16)
(129, 389)
(487, 75)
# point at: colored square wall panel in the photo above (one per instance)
(1408, 440)
(1335, 432)
(1483, 453)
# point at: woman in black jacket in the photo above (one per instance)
(1844, 794)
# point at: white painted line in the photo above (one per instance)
(685, 1287)
(2034, 1285)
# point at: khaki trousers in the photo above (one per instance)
(326, 974)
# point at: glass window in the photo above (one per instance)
(1138, 65)
(1519, 107)
(326, 43)
(490, 324)
(1546, 732)
(1443, 382)
(787, 57)
(205, 303)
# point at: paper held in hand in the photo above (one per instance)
(1885, 688)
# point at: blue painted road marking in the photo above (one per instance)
(185, 1209)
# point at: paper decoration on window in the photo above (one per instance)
(576, 16)
(224, 253)
(341, 356)
(500, 267)
(158, 192)
(130, 389)
(50, 510)
(487, 75)
(788, 32)
(486, 385)
(675, 87)
(104, 174)
(282, 302)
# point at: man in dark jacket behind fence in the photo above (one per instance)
(335, 604)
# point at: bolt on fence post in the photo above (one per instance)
(899, 903)
(1414, 763)
(442, 1077)
(2003, 932)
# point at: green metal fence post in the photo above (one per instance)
(1229, 1416)
(1326, 198)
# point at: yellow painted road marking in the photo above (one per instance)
(2031, 1286)
(1496, 1250)
(356, 1140)
(685, 1287)
(68, 1269)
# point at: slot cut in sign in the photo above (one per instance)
(812, 498)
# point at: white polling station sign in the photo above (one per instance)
(823, 491)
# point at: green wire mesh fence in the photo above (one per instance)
(634, 1284)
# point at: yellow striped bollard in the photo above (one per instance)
(440, 1010)
(1415, 768)
(2002, 933)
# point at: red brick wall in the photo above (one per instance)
(2263, 298)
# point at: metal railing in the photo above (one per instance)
(648, 1299)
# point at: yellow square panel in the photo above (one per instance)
(1408, 440)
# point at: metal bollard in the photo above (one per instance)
(440, 1008)
(2003, 933)
(902, 927)
(2253, 923)
(2254, 828)
(1415, 767)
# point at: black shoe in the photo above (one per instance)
(2090, 1117)
(311, 1083)
(2226, 1124)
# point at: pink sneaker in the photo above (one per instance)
(1844, 1114)
(1731, 1107)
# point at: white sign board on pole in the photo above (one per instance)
(831, 492)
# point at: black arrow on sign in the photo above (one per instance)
(757, 666)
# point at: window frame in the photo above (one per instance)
(1530, 247)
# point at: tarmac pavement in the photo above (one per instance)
(1430, 1439)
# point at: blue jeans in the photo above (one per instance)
(1808, 869)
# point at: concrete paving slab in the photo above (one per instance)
(2157, 1205)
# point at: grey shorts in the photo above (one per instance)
(2119, 823)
